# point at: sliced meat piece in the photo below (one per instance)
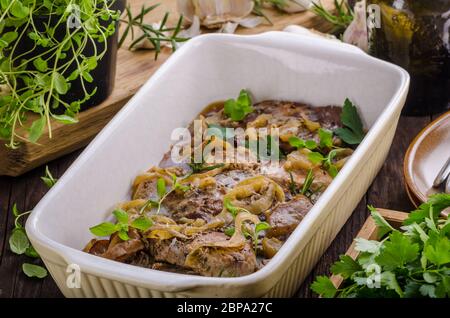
(286, 216)
(211, 261)
(175, 250)
(96, 247)
(194, 204)
(124, 251)
(225, 262)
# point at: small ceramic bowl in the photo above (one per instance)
(425, 157)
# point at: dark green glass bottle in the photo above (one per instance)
(415, 35)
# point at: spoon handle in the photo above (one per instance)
(442, 175)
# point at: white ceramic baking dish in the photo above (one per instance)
(274, 65)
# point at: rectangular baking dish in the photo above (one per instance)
(274, 65)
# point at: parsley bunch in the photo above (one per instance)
(414, 262)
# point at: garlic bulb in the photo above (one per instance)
(214, 13)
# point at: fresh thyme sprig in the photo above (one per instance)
(161, 190)
(155, 35)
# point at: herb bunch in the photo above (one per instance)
(36, 79)
(413, 262)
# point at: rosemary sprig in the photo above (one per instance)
(156, 36)
(341, 19)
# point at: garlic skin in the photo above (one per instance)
(214, 13)
(294, 6)
(356, 33)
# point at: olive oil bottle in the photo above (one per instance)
(415, 35)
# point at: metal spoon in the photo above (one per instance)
(443, 175)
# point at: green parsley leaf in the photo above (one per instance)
(397, 251)
(40, 64)
(352, 133)
(437, 203)
(437, 249)
(32, 270)
(346, 267)
(324, 287)
(239, 108)
(383, 226)
(326, 138)
(363, 245)
(31, 252)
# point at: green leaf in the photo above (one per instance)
(239, 108)
(48, 178)
(345, 267)
(353, 132)
(437, 249)
(161, 187)
(383, 226)
(142, 223)
(324, 287)
(315, 157)
(261, 226)
(428, 290)
(326, 138)
(389, 280)
(300, 143)
(397, 251)
(65, 119)
(32, 270)
(230, 207)
(40, 64)
(436, 203)
(60, 83)
(19, 10)
(308, 181)
(15, 211)
(121, 216)
(124, 235)
(31, 252)
(7, 38)
(36, 129)
(363, 245)
(18, 241)
(104, 229)
(230, 231)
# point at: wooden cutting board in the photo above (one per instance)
(133, 70)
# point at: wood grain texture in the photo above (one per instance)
(133, 70)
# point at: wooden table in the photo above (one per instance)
(387, 191)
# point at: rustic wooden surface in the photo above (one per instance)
(387, 191)
(133, 69)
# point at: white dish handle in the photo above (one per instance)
(296, 29)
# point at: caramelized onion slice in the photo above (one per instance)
(256, 194)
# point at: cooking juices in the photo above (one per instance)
(414, 34)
